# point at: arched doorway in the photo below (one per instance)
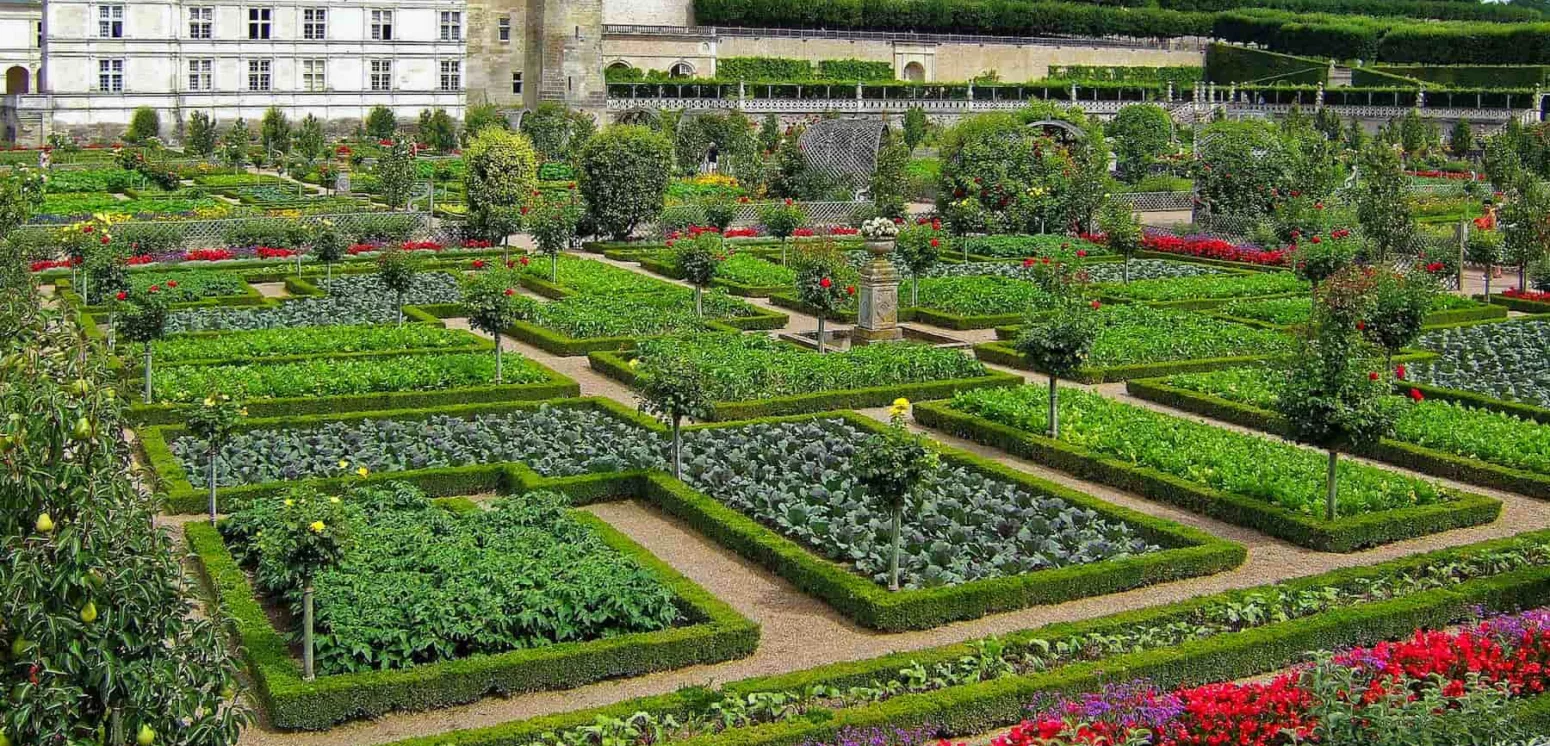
(681, 70)
(17, 80)
(915, 72)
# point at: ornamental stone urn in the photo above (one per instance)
(877, 314)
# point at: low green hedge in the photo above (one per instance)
(617, 366)
(554, 386)
(1149, 254)
(1407, 455)
(1230, 63)
(1344, 534)
(985, 706)
(1482, 312)
(1518, 304)
(250, 297)
(1005, 354)
(1481, 401)
(715, 632)
(1187, 552)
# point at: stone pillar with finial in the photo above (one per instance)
(877, 310)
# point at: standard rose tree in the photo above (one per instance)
(672, 387)
(893, 466)
(143, 319)
(213, 421)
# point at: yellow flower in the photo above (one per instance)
(343, 464)
(289, 502)
(317, 527)
(901, 402)
(634, 363)
(363, 471)
(243, 411)
(334, 499)
(209, 401)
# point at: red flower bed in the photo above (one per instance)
(140, 259)
(209, 255)
(270, 252)
(52, 264)
(476, 244)
(1527, 295)
(362, 248)
(422, 246)
(1450, 175)
(843, 230)
(740, 233)
(803, 233)
(1214, 248)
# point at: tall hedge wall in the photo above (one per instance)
(1227, 63)
(1471, 76)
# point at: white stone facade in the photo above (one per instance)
(21, 50)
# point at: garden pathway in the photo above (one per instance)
(799, 632)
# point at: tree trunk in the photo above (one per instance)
(915, 291)
(330, 279)
(213, 451)
(306, 632)
(893, 559)
(497, 359)
(1330, 485)
(400, 309)
(112, 330)
(1054, 409)
(783, 261)
(1522, 279)
(678, 450)
(147, 397)
(1487, 282)
(699, 301)
(1126, 269)
(820, 333)
(554, 267)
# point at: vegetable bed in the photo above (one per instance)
(327, 376)
(1446, 309)
(350, 300)
(1505, 360)
(308, 341)
(1259, 482)
(1202, 291)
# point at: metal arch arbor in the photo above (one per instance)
(844, 151)
(1072, 133)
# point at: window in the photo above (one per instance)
(503, 28)
(314, 23)
(38, 41)
(201, 74)
(451, 75)
(314, 75)
(516, 83)
(110, 21)
(382, 75)
(200, 22)
(382, 25)
(258, 23)
(110, 75)
(258, 75)
(451, 25)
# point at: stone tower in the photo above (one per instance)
(523, 52)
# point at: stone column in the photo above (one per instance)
(877, 313)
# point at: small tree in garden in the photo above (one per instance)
(892, 466)
(492, 305)
(915, 126)
(1141, 135)
(437, 130)
(1059, 345)
(310, 141)
(1485, 249)
(1461, 139)
(397, 269)
(1383, 203)
(1400, 305)
(769, 134)
(919, 247)
(235, 144)
(501, 175)
(144, 124)
(274, 131)
(552, 223)
(213, 421)
(1316, 258)
(623, 173)
(1121, 231)
(699, 258)
(201, 135)
(720, 211)
(672, 387)
(1526, 227)
(1333, 395)
(328, 245)
(310, 537)
(396, 174)
(817, 282)
(143, 319)
(381, 124)
(888, 182)
(781, 220)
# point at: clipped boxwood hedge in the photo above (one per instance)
(1407, 455)
(1005, 354)
(981, 707)
(715, 632)
(1344, 534)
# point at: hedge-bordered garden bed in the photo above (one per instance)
(715, 632)
(1003, 353)
(1344, 534)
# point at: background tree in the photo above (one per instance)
(1317, 258)
(1059, 344)
(699, 258)
(915, 126)
(396, 174)
(213, 421)
(143, 319)
(1461, 139)
(888, 182)
(1400, 305)
(201, 134)
(1332, 395)
(919, 247)
(274, 132)
(479, 116)
(501, 173)
(552, 223)
(671, 387)
(491, 302)
(235, 143)
(397, 268)
(892, 466)
(437, 130)
(1121, 231)
(328, 245)
(144, 124)
(820, 269)
(554, 131)
(1141, 135)
(781, 220)
(623, 174)
(720, 211)
(1526, 226)
(1383, 204)
(1325, 120)
(1485, 249)
(310, 141)
(381, 123)
(769, 134)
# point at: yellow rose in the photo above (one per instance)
(317, 527)
(209, 401)
(901, 402)
(343, 464)
(289, 502)
(363, 471)
(334, 499)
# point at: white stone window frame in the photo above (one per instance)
(201, 74)
(380, 74)
(381, 24)
(260, 74)
(110, 21)
(201, 22)
(451, 25)
(110, 74)
(314, 24)
(260, 21)
(451, 75)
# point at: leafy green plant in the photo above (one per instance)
(326, 376)
(891, 466)
(143, 319)
(311, 341)
(396, 270)
(1059, 345)
(1208, 287)
(699, 259)
(781, 220)
(919, 247)
(492, 306)
(1504, 360)
(672, 387)
(816, 268)
(623, 173)
(1122, 232)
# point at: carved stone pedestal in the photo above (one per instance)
(877, 316)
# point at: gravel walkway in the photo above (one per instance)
(800, 632)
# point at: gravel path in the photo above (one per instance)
(799, 632)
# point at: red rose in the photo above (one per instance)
(935, 243)
(1373, 376)
(172, 283)
(1400, 372)
(1361, 326)
(510, 292)
(1081, 253)
(825, 283)
(153, 289)
(1045, 260)
(788, 201)
(1316, 239)
(1096, 305)
(86, 229)
(523, 260)
(122, 295)
(850, 289)
(1028, 262)
(1416, 394)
